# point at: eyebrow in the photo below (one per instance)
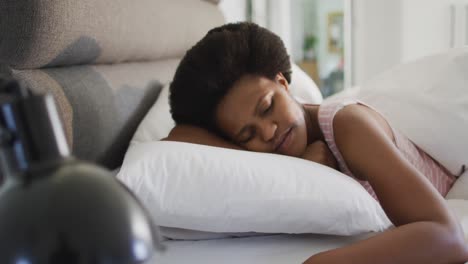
(255, 113)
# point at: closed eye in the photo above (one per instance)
(249, 137)
(269, 108)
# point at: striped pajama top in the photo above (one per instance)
(440, 178)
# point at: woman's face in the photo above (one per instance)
(260, 115)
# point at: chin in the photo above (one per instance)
(299, 145)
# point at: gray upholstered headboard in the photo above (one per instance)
(105, 61)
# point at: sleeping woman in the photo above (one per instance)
(232, 90)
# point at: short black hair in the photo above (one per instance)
(212, 66)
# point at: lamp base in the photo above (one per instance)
(73, 213)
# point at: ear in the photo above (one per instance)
(282, 80)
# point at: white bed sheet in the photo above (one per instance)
(273, 249)
(282, 249)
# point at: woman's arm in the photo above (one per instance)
(426, 231)
(316, 152)
(197, 135)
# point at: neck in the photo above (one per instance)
(314, 132)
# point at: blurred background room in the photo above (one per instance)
(342, 43)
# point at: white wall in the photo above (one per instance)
(276, 16)
(376, 37)
(273, 14)
(426, 30)
(298, 18)
(260, 12)
(234, 10)
(279, 20)
(387, 33)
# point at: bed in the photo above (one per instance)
(273, 249)
(106, 71)
(282, 248)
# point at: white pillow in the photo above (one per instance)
(459, 190)
(303, 88)
(214, 189)
(158, 122)
(428, 101)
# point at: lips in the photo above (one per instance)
(283, 141)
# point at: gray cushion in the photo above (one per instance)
(102, 105)
(44, 33)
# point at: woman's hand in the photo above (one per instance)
(320, 153)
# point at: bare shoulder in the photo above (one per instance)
(357, 117)
(359, 131)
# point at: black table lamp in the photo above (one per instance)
(54, 208)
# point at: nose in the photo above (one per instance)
(267, 130)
